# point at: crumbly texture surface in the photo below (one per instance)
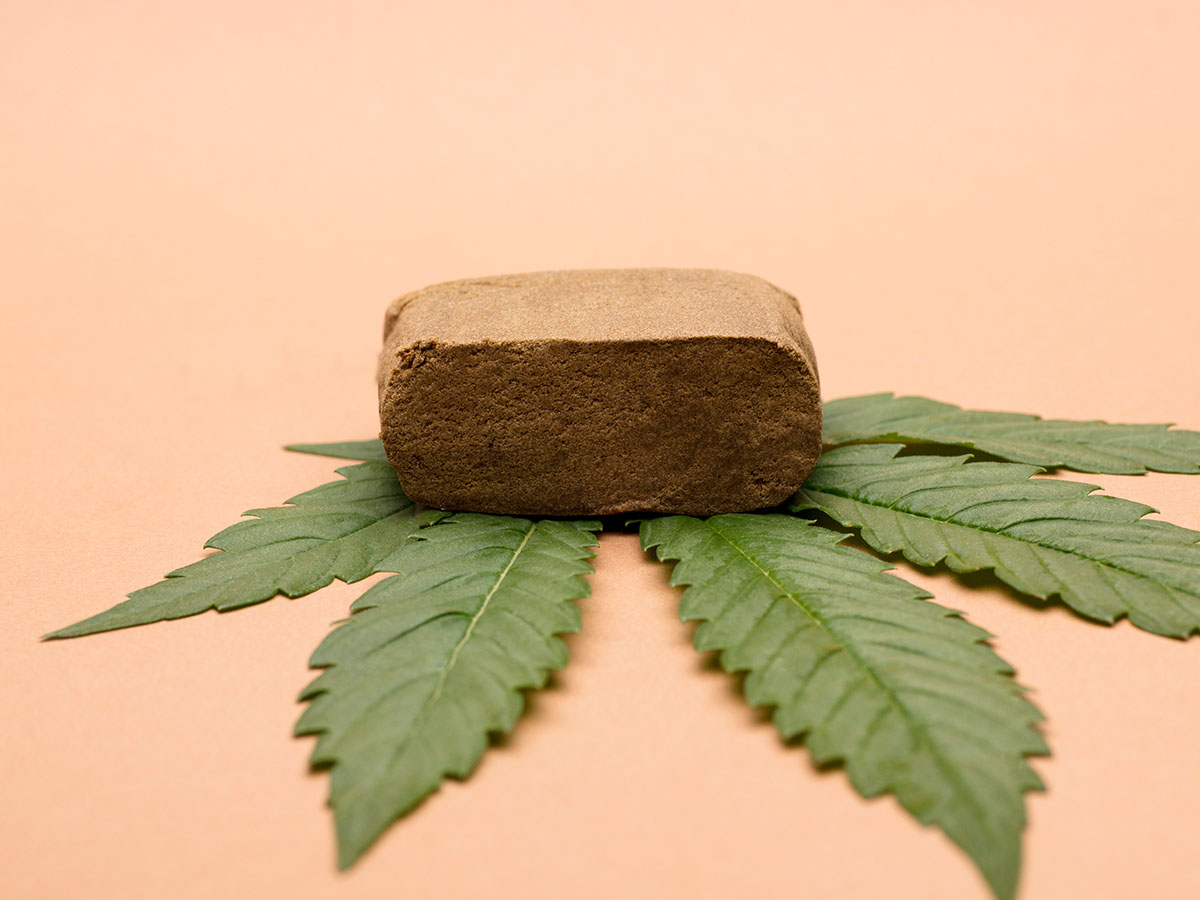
(592, 392)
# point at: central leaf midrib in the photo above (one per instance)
(435, 695)
(917, 728)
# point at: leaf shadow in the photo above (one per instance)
(918, 448)
(987, 580)
(533, 700)
(709, 663)
(974, 581)
(623, 524)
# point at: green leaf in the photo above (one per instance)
(338, 530)
(370, 451)
(903, 691)
(433, 661)
(1084, 446)
(1042, 536)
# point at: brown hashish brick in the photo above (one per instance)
(600, 391)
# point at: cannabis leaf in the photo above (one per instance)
(433, 660)
(370, 450)
(902, 690)
(1041, 536)
(1084, 446)
(339, 530)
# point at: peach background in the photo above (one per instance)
(207, 207)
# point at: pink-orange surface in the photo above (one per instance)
(206, 208)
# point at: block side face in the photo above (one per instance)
(697, 426)
(596, 305)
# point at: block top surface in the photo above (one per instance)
(596, 305)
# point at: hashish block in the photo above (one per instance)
(600, 391)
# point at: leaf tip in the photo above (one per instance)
(348, 856)
(78, 629)
(1002, 882)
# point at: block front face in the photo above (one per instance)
(632, 420)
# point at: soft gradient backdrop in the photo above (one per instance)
(205, 209)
